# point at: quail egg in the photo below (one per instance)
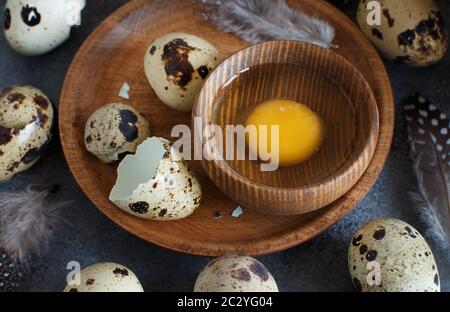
(106, 277)
(176, 65)
(26, 118)
(411, 31)
(114, 130)
(235, 274)
(34, 27)
(389, 255)
(156, 183)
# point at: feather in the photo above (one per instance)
(429, 136)
(27, 221)
(257, 20)
(431, 225)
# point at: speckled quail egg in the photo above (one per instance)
(389, 255)
(156, 183)
(106, 277)
(114, 130)
(176, 65)
(411, 31)
(235, 274)
(34, 27)
(26, 118)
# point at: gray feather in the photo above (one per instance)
(429, 135)
(261, 20)
(432, 227)
(27, 221)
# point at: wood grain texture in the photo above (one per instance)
(305, 73)
(114, 54)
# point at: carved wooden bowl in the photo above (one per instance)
(306, 73)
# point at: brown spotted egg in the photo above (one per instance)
(235, 274)
(411, 31)
(156, 183)
(176, 65)
(26, 118)
(105, 277)
(389, 255)
(114, 130)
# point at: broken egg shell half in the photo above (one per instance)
(35, 27)
(235, 273)
(400, 255)
(156, 183)
(113, 130)
(26, 119)
(411, 31)
(176, 66)
(106, 277)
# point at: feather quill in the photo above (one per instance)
(429, 136)
(27, 221)
(257, 20)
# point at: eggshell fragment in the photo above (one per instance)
(156, 183)
(34, 27)
(411, 31)
(125, 91)
(114, 130)
(26, 119)
(395, 251)
(106, 277)
(235, 274)
(237, 212)
(176, 65)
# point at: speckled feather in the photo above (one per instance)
(429, 135)
(10, 273)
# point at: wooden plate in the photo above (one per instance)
(114, 54)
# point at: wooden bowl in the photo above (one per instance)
(305, 73)
(113, 54)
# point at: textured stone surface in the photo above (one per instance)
(319, 265)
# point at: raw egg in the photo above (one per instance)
(300, 131)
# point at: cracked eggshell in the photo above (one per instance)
(106, 277)
(176, 65)
(235, 274)
(115, 129)
(26, 119)
(156, 183)
(405, 260)
(34, 27)
(411, 31)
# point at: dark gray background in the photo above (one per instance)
(319, 265)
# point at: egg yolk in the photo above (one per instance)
(300, 131)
